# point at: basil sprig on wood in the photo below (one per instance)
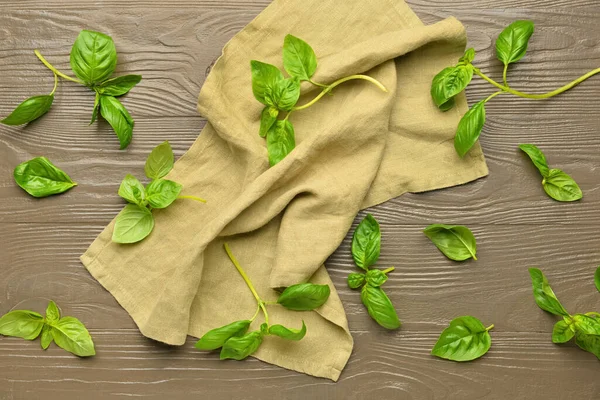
(455, 241)
(40, 178)
(464, 340)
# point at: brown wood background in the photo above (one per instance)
(172, 44)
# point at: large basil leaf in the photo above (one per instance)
(537, 157)
(133, 224)
(70, 334)
(238, 348)
(366, 243)
(544, 295)
(40, 178)
(288, 333)
(160, 161)
(511, 45)
(21, 323)
(285, 93)
(586, 324)
(46, 337)
(376, 278)
(589, 343)
(464, 340)
(562, 332)
(264, 79)
(162, 192)
(118, 117)
(304, 296)
(356, 280)
(52, 312)
(454, 241)
(281, 140)
(29, 110)
(561, 187)
(299, 59)
(118, 86)
(93, 57)
(132, 190)
(450, 82)
(217, 337)
(469, 128)
(380, 307)
(597, 278)
(268, 117)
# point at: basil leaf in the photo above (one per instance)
(589, 343)
(281, 141)
(96, 108)
(561, 187)
(238, 348)
(285, 94)
(376, 278)
(455, 241)
(586, 324)
(118, 117)
(133, 191)
(46, 337)
(52, 312)
(217, 337)
(268, 117)
(468, 57)
(29, 110)
(469, 128)
(160, 161)
(562, 332)
(70, 334)
(133, 224)
(162, 192)
(537, 157)
(299, 59)
(544, 295)
(264, 328)
(356, 280)
(597, 278)
(366, 243)
(450, 82)
(304, 296)
(93, 57)
(288, 333)
(21, 323)
(511, 44)
(118, 86)
(380, 307)
(464, 340)
(40, 178)
(264, 78)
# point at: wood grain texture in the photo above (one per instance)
(173, 44)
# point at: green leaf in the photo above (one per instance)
(52, 312)
(562, 332)
(285, 94)
(376, 278)
(468, 57)
(96, 108)
(544, 295)
(561, 187)
(29, 110)
(511, 44)
(288, 333)
(450, 82)
(268, 117)
(464, 340)
(40, 178)
(281, 141)
(217, 337)
(597, 278)
(304, 296)
(133, 224)
(299, 59)
(356, 280)
(238, 348)
(160, 161)
(537, 157)
(264, 328)
(118, 117)
(589, 343)
(264, 79)
(469, 128)
(93, 57)
(70, 334)
(46, 336)
(380, 307)
(118, 86)
(162, 192)
(586, 324)
(21, 323)
(366, 243)
(132, 190)
(455, 241)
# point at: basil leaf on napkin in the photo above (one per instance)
(450, 82)
(288, 333)
(217, 337)
(40, 178)
(29, 110)
(299, 59)
(544, 295)
(268, 117)
(238, 348)
(304, 296)
(133, 224)
(160, 161)
(162, 192)
(133, 191)
(70, 334)
(118, 86)
(264, 79)
(512, 42)
(21, 323)
(356, 280)
(366, 243)
(380, 307)
(93, 57)
(118, 117)
(281, 141)
(285, 94)
(469, 128)
(464, 340)
(455, 241)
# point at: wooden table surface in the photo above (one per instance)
(172, 44)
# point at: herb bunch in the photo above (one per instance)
(280, 94)
(234, 339)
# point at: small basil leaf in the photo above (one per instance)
(288, 333)
(118, 86)
(132, 190)
(597, 278)
(544, 295)
(281, 140)
(46, 337)
(464, 340)
(450, 82)
(264, 78)
(469, 128)
(376, 278)
(162, 192)
(21, 323)
(356, 280)
(70, 334)
(217, 337)
(132, 224)
(380, 307)
(511, 44)
(40, 178)
(562, 332)
(586, 324)
(52, 312)
(455, 241)
(304, 296)
(589, 343)
(93, 57)
(160, 161)
(366, 243)
(96, 108)
(238, 348)
(299, 59)
(29, 110)
(118, 117)
(561, 187)
(285, 93)
(268, 117)
(468, 57)
(537, 157)
(264, 328)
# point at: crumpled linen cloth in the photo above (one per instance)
(355, 149)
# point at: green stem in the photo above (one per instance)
(489, 328)
(255, 314)
(51, 68)
(192, 198)
(390, 269)
(55, 84)
(491, 96)
(589, 314)
(317, 83)
(504, 75)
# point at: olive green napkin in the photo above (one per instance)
(355, 149)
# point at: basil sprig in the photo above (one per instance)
(366, 246)
(464, 340)
(67, 332)
(40, 178)
(455, 241)
(135, 222)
